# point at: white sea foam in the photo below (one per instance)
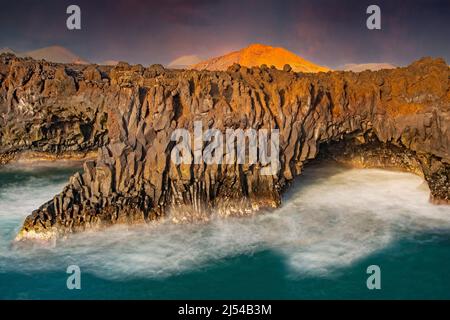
(328, 220)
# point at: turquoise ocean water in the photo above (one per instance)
(333, 224)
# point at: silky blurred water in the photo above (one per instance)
(333, 224)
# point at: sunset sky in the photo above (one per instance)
(330, 33)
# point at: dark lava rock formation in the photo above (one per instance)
(391, 118)
(49, 109)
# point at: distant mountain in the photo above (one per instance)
(7, 50)
(257, 55)
(184, 62)
(109, 63)
(56, 54)
(367, 66)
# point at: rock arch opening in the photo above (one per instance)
(367, 151)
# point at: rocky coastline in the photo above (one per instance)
(125, 115)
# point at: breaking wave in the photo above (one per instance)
(330, 218)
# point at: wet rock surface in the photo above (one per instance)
(391, 118)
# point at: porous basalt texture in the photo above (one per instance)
(392, 118)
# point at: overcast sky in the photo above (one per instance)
(327, 32)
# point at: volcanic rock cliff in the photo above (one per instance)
(392, 118)
(50, 110)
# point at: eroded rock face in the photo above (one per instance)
(50, 109)
(398, 118)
